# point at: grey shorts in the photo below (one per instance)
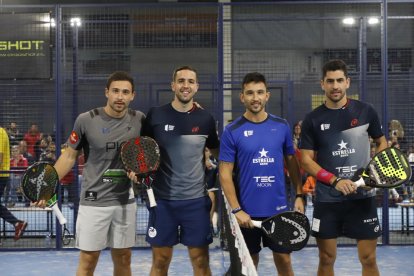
(101, 227)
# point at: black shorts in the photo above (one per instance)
(254, 237)
(356, 219)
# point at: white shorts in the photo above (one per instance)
(101, 227)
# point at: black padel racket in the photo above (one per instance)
(39, 182)
(142, 156)
(290, 229)
(389, 168)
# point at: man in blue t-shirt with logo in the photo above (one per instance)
(253, 151)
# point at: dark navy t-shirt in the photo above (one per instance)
(341, 139)
(182, 137)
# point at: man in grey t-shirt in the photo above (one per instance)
(107, 212)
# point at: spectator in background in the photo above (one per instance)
(297, 129)
(309, 189)
(42, 145)
(17, 161)
(23, 151)
(19, 225)
(393, 142)
(410, 154)
(49, 153)
(31, 137)
(14, 134)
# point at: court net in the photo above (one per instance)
(232, 241)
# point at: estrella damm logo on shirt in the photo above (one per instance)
(263, 159)
(343, 150)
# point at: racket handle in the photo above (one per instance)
(59, 215)
(360, 182)
(151, 197)
(257, 223)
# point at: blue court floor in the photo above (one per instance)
(392, 260)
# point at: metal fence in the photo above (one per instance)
(55, 60)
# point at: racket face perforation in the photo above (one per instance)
(289, 229)
(39, 181)
(141, 155)
(390, 168)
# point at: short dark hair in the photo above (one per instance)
(120, 76)
(253, 77)
(184, 67)
(334, 65)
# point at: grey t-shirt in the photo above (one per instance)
(100, 136)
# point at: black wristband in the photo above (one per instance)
(236, 210)
(336, 181)
(302, 196)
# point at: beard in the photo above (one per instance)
(255, 110)
(184, 100)
(335, 99)
(118, 108)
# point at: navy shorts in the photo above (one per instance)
(254, 238)
(356, 219)
(180, 221)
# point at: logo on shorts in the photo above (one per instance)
(152, 232)
(376, 229)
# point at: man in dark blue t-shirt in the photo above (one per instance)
(334, 144)
(182, 131)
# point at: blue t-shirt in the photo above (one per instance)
(257, 151)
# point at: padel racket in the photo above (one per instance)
(39, 182)
(389, 168)
(290, 229)
(142, 156)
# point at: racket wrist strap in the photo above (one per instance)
(324, 176)
(236, 210)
